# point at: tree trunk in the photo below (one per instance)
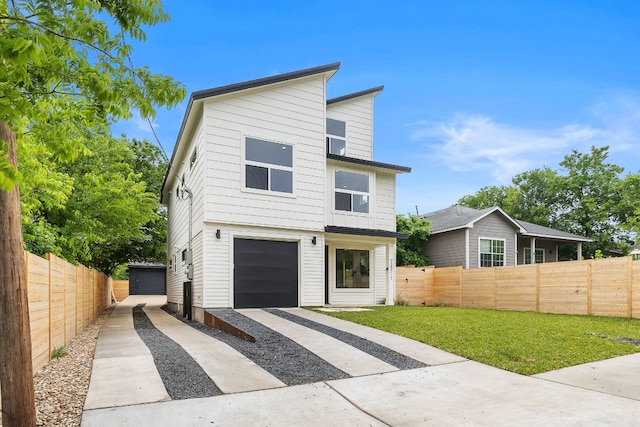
(16, 369)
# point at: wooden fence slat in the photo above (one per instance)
(57, 298)
(605, 287)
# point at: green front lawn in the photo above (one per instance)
(523, 342)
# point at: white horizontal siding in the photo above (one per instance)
(380, 269)
(385, 215)
(218, 262)
(291, 113)
(358, 114)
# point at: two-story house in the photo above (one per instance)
(274, 199)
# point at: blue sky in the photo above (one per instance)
(475, 91)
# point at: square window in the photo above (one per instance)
(257, 177)
(352, 269)
(268, 165)
(491, 252)
(336, 146)
(361, 203)
(336, 127)
(281, 181)
(343, 201)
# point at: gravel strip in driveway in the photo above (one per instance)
(182, 376)
(383, 353)
(280, 356)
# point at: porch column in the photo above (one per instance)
(579, 251)
(533, 250)
(390, 250)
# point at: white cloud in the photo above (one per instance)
(474, 142)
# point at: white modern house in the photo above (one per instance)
(274, 199)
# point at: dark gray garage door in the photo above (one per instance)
(265, 273)
(147, 280)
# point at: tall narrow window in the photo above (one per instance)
(336, 134)
(352, 192)
(491, 253)
(352, 268)
(194, 157)
(268, 166)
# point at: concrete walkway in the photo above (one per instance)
(126, 389)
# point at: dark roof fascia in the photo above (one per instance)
(250, 84)
(363, 232)
(374, 90)
(147, 266)
(370, 163)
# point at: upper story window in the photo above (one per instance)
(352, 192)
(336, 134)
(268, 165)
(194, 157)
(491, 253)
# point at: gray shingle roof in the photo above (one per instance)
(535, 230)
(454, 218)
(459, 217)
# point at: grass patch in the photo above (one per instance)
(58, 352)
(523, 342)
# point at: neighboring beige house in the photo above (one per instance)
(489, 237)
(288, 207)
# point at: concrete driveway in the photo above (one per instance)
(126, 389)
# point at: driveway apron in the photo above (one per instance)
(126, 389)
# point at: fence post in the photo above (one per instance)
(537, 288)
(630, 287)
(50, 310)
(589, 285)
(460, 287)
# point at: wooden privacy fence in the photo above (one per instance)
(121, 289)
(603, 287)
(63, 300)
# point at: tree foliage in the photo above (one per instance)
(101, 209)
(65, 74)
(410, 251)
(586, 195)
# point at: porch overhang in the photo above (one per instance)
(334, 229)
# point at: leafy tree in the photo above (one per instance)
(410, 251)
(488, 197)
(586, 196)
(64, 70)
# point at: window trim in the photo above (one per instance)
(244, 163)
(524, 255)
(352, 193)
(504, 252)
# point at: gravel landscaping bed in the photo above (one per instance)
(280, 356)
(383, 353)
(182, 376)
(61, 385)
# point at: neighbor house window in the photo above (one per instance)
(268, 166)
(491, 253)
(194, 157)
(539, 256)
(352, 268)
(336, 133)
(352, 192)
